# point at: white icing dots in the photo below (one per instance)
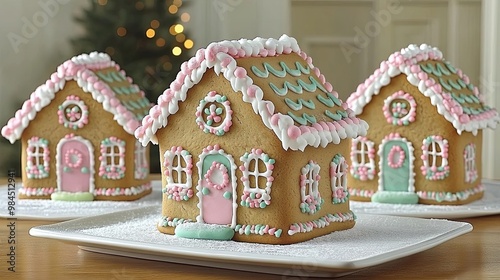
(214, 114)
(400, 108)
(37, 158)
(73, 113)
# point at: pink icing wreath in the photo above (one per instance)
(68, 158)
(210, 172)
(392, 153)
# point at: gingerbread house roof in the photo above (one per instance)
(306, 110)
(96, 74)
(448, 88)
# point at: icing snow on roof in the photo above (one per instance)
(95, 73)
(448, 88)
(296, 128)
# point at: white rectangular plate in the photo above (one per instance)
(49, 210)
(374, 240)
(488, 205)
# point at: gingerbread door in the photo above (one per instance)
(217, 188)
(396, 162)
(75, 165)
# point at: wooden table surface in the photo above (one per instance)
(475, 255)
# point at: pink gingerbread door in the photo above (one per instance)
(217, 189)
(75, 165)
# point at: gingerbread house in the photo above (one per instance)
(425, 140)
(252, 138)
(77, 134)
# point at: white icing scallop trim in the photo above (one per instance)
(79, 69)
(221, 56)
(405, 62)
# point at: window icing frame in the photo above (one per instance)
(256, 196)
(112, 171)
(35, 170)
(471, 173)
(430, 170)
(141, 163)
(338, 179)
(178, 191)
(311, 200)
(362, 170)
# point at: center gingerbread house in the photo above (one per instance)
(251, 139)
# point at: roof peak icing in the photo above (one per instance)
(448, 88)
(223, 57)
(84, 69)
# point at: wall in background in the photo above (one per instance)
(490, 83)
(216, 20)
(34, 40)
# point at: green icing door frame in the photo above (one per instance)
(226, 197)
(396, 178)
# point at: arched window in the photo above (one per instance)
(257, 179)
(435, 158)
(470, 163)
(338, 179)
(140, 161)
(362, 159)
(38, 160)
(112, 158)
(311, 200)
(178, 166)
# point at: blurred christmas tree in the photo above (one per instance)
(145, 37)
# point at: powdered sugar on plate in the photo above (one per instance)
(374, 239)
(488, 205)
(46, 209)
(371, 236)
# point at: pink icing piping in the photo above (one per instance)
(79, 69)
(405, 61)
(221, 57)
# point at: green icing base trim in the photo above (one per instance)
(395, 197)
(72, 196)
(204, 231)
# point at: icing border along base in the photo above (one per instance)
(427, 195)
(395, 197)
(204, 231)
(35, 193)
(72, 196)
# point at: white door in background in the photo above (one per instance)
(348, 39)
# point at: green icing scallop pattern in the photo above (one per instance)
(298, 71)
(311, 84)
(442, 71)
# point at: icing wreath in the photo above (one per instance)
(396, 109)
(398, 153)
(210, 114)
(73, 158)
(212, 176)
(73, 113)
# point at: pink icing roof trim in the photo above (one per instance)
(221, 56)
(405, 61)
(79, 69)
